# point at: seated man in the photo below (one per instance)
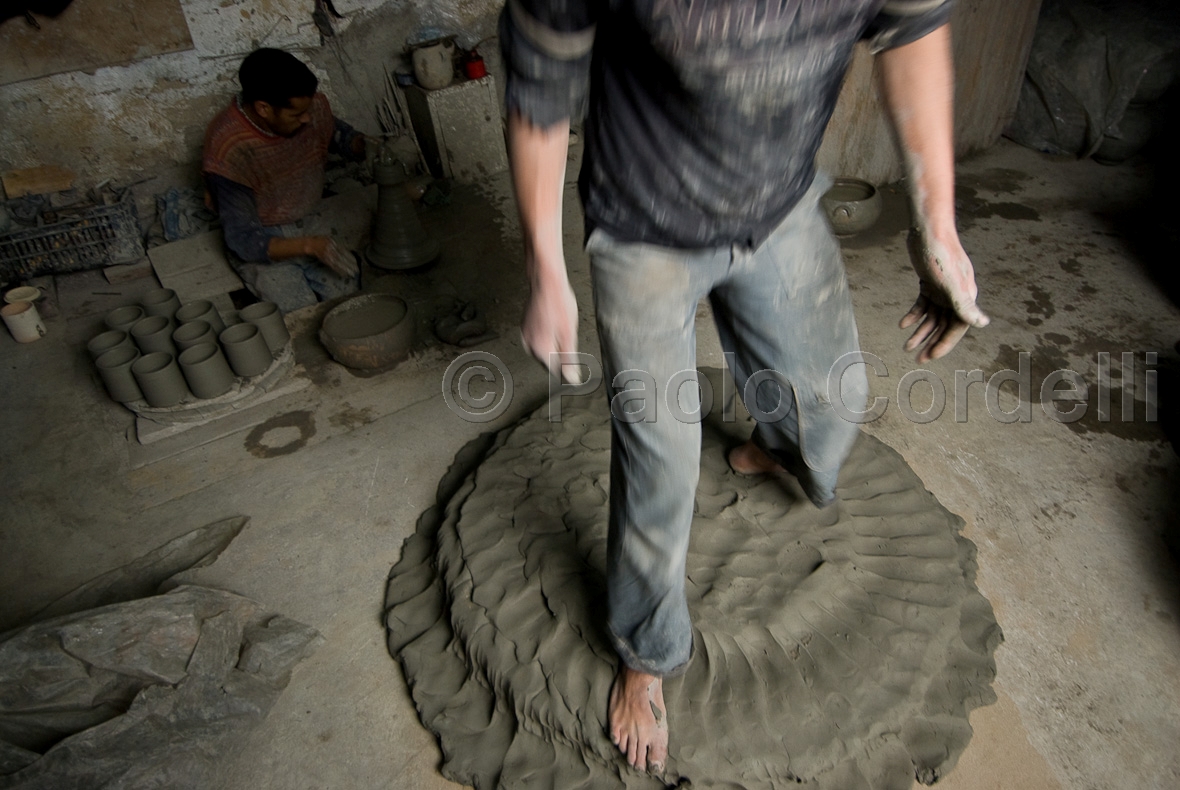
(263, 165)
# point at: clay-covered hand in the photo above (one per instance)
(549, 330)
(946, 306)
(336, 258)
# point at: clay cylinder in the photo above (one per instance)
(153, 333)
(115, 368)
(159, 379)
(269, 320)
(246, 350)
(201, 310)
(108, 341)
(162, 301)
(206, 371)
(193, 333)
(23, 321)
(123, 318)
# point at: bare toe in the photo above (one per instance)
(638, 719)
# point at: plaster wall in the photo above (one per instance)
(126, 122)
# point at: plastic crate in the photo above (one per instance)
(99, 236)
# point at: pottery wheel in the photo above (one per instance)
(838, 648)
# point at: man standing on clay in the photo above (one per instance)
(699, 179)
(263, 164)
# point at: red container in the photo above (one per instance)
(473, 66)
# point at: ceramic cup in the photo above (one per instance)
(193, 333)
(153, 333)
(23, 321)
(25, 293)
(107, 341)
(201, 310)
(159, 379)
(162, 301)
(206, 371)
(434, 64)
(247, 351)
(269, 320)
(123, 318)
(115, 368)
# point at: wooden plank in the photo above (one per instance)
(196, 267)
(37, 181)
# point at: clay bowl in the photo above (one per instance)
(851, 206)
(369, 331)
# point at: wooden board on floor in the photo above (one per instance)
(196, 267)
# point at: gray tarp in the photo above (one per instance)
(1087, 62)
(147, 693)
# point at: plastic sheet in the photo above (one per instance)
(1087, 62)
(146, 693)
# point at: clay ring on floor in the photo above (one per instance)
(368, 332)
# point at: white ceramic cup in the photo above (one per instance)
(25, 293)
(23, 321)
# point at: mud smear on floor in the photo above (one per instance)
(841, 648)
(349, 418)
(1061, 352)
(281, 435)
(969, 207)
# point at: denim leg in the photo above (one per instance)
(281, 283)
(646, 300)
(325, 282)
(785, 308)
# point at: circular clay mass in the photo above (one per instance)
(839, 648)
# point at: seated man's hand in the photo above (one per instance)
(945, 307)
(335, 257)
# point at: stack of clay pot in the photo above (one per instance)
(165, 353)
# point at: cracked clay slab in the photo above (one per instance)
(839, 649)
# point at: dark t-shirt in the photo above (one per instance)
(704, 116)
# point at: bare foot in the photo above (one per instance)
(639, 719)
(749, 459)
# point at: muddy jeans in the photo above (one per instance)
(295, 282)
(784, 314)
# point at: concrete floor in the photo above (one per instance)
(1067, 518)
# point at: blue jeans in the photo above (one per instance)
(295, 282)
(783, 308)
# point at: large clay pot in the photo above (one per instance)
(434, 63)
(851, 206)
(115, 368)
(159, 379)
(201, 310)
(192, 334)
(153, 333)
(269, 320)
(206, 371)
(162, 301)
(371, 331)
(246, 350)
(108, 341)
